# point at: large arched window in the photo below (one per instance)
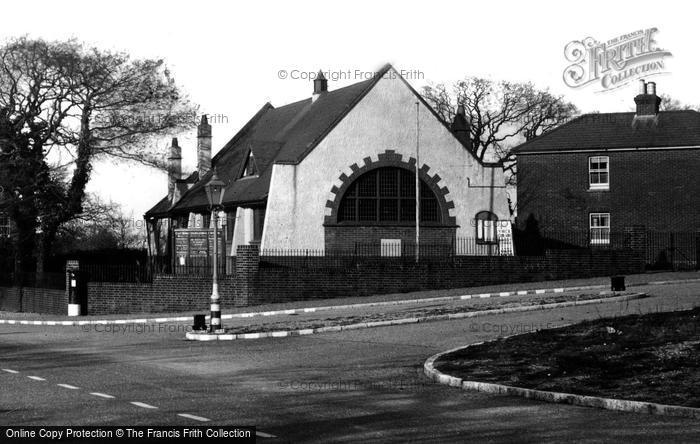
(387, 196)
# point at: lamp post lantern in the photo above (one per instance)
(215, 194)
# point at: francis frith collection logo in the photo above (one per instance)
(615, 62)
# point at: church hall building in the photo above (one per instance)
(334, 171)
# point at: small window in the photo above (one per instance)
(4, 225)
(250, 168)
(486, 227)
(599, 173)
(600, 228)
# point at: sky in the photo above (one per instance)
(229, 56)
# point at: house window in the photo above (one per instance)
(486, 223)
(250, 168)
(599, 173)
(4, 225)
(387, 196)
(600, 228)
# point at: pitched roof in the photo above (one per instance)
(283, 135)
(616, 130)
(163, 205)
(275, 135)
(160, 208)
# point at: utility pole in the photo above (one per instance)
(417, 183)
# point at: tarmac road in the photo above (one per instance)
(363, 385)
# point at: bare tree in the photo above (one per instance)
(62, 100)
(502, 113)
(668, 103)
(101, 225)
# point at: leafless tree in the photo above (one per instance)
(63, 100)
(669, 103)
(502, 113)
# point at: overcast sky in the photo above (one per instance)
(228, 55)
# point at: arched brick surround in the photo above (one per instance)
(391, 159)
(345, 236)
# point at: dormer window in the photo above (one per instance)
(599, 173)
(250, 168)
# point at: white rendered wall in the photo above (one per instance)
(384, 120)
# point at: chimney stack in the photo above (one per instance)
(174, 168)
(460, 126)
(203, 147)
(320, 86)
(647, 101)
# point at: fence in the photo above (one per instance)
(143, 271)
(55, 281)
(672, 250)
(661, 251)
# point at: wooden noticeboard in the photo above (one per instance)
(196, 243)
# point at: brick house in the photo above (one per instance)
(337, 169)
(603, 173)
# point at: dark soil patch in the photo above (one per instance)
(652, 357)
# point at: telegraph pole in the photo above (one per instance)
(417, 184)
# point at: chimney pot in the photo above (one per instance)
(651, 88)
(642, 86)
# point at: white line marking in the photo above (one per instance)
(68, 386)
(504, 293)
(522, 292)
(485, 295)
(264, 435)
(559, 290)
(540, 291)
(9, 370)
(143, 405)
(36, 378)
(102, 395)
(196, 418)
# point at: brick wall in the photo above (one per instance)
(339, 237)
(657, 189)
(34, 300)
(167, 293)
(281, 279)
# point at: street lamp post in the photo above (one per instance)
(215, 195)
